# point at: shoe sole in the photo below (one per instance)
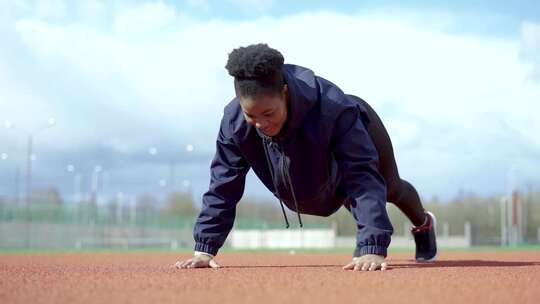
(435, 231)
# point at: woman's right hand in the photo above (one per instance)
(198, 261)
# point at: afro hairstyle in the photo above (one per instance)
(257, 69)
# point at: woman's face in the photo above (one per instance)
(267, 113)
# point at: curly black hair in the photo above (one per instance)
(256, 70)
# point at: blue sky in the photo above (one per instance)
(457, 85)
(498, 18)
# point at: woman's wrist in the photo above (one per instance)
(199, 253)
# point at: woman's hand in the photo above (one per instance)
(367, 262)
(198, 261)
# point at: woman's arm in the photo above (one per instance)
(228, 172)
(358, 162)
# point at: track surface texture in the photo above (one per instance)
(478, 277)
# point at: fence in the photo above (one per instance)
(327, 238)
(283, 238)
(84, 226)
(17, 234)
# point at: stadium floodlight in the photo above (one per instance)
(77, 177)
(162, 183)
(186, 183)
(30, 156)
(3, 156)
(189, 148)
(95, 182)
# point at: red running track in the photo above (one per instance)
(502, 277)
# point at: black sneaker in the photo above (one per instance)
(425, 239)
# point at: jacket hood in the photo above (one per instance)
(303, 95)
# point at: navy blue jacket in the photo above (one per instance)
(324, 151)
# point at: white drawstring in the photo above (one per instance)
(274, 181)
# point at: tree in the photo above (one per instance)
(179, 204)
(47, 196)
(146, 207)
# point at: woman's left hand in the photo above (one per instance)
(367, 262)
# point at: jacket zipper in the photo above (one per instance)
(282, 168)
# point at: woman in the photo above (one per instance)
(316, 149)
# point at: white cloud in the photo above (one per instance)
(404, 131)
(199, 4)
(19, 104)
(146, 19)
(446, 98)
(93, 12)
(253, 6)
(530, 46)
(51, 9)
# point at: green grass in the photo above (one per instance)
(398, 250)
(528, 247)
(15, 251)
(229, 250)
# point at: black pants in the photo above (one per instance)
(399, 192)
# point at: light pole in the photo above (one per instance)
(189, 149)
(4, 157)
(187, 182)
(95, 180)
(171, 183)
(105, 179)
(76, 183)
(51, 122)
(172, 176)
(119, 207)
(162, 182)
